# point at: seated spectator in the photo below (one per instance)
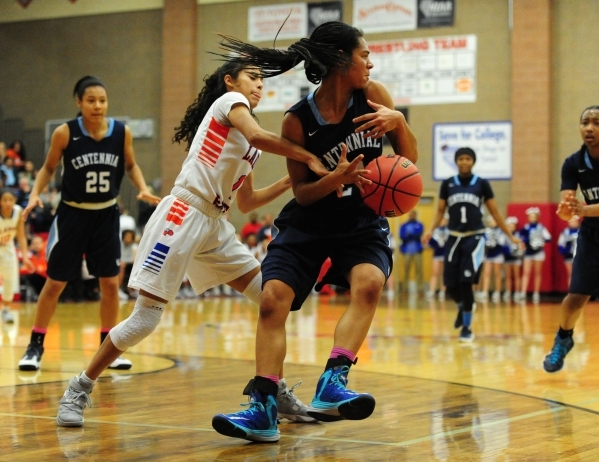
(16, 151)
(2, 151)
(126, 221)
(251, 227)
(268, 230)
(37, 256)
(23, 192)
(28, 172)
(9, 172)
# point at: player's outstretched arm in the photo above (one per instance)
(264, 140)
(134, 172)
(249, 199)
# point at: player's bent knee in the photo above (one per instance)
(135, 328)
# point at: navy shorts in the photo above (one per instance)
(585, 267)
(295, 257)
(463, 259)
(77, 232)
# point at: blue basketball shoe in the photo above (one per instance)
(333, 401)
(259, 422)
(554, 361)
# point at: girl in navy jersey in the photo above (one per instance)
(512, 255)
(189, 233)
(95, 152)
(579, 170)
(463, 195)
(494, 243)
(566, 244)
(342, 122)
(535, 236)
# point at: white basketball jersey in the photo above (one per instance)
(8, 227)
(220, 157)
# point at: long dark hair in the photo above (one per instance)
(214, 88)
(320, 52)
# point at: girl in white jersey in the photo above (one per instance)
(11, 226)
(188, 232)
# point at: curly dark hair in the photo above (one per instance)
(320, 52)
(214, 88)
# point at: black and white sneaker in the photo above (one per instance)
(121, 364)
(32, 358)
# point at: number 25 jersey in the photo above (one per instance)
(93, 170)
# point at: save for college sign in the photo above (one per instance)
(492, 142)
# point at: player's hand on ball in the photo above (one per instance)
(376, 124)
(348, 172)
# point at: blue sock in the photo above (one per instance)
(467, 318)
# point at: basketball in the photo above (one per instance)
(396, 186)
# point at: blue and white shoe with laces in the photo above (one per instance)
(554, 361)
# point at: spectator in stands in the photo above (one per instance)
(37, 256)
(126, 221)
(251, 227)
(28, 172)
(128, 251)
(16, 151)
(411, 248)
(23, 192)
(2, 151)
(534, 236)
(9, 172)
(268, 230)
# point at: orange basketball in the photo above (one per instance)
(396, 186)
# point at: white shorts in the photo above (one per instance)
(9, 270)
(539, 256)
(180, 239)
(497, 259)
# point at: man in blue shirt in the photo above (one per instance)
(410, 234)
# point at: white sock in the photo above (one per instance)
(85, 381)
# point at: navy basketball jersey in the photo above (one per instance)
(324, 140)
(93, 170)
(465, 197)
(580, 169)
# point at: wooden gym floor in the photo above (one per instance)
(437, 400)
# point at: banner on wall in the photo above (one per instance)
(432, 70)
(319, 13)
(264, 22)
(436, 13)
(492, 142)
(384, 15)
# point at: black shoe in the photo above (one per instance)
(32, 358)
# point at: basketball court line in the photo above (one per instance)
(316, 438)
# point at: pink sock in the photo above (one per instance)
(274, 378)
(39, 330)
(336, 352)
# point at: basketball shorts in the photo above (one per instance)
(585, 267)
(9, 270)
(295, 257)
(463, 259)
(77, 232)
(537, 256)
(180, 239)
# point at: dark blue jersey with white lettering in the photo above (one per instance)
(332, 214)
(580, 169)
(465, 197)
(93, 170)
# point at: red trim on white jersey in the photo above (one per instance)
(213, 145)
